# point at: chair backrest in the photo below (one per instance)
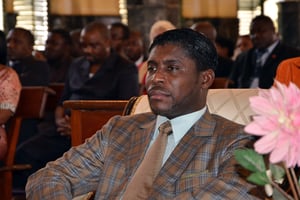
(232, 104)
(31, 105)
(221, 82)
(88, 116)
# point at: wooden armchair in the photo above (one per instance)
(87, 116)
(31, 105)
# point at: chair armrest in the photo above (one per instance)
(15, 167)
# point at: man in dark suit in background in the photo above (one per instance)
(257, 66)
(224, 66)
(32, 72)
(101, 74)
(58, 54)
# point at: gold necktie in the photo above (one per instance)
(144, 176)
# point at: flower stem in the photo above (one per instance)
(292, 185)
(295, 181)
(286, 195)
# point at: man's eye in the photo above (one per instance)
(173, 68)
(151, 68)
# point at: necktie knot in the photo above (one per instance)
(165, 128)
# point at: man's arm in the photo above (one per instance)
(76, 173)
(62, 121)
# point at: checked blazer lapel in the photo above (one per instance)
(184, 153)
(139, 143)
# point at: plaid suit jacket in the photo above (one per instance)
(200, 167)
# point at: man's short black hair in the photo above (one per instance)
(125, 28)
(64, 34)
(264, 19)
(29, 37)
(196, 46)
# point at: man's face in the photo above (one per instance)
(133, 48)
(17, 45)
(94, 46)
(243, 44)
(56, 47)
(173, 84)
(262, 35)
(117, 35)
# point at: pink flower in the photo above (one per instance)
(277, 121)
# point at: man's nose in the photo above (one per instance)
(159, 76)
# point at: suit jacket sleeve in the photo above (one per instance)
(77, 172)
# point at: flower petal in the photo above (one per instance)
(265, 144)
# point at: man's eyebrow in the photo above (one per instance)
(166, 61)
(151, 61)
(171, 61)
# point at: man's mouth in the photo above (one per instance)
(158, 94)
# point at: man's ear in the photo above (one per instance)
(208, 77)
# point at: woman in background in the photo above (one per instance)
(10, 88)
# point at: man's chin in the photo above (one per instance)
(160, 110)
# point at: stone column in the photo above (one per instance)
(143, 13)
(289, 22)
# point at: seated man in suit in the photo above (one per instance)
(58, 54)
(32, 72)
(257, 66)
(224, 66)
(194, 158)
(101, 74)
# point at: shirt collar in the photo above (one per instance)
(181, 124)
(272, 46)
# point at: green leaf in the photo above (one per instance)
(278, 172)
(259, 178)
(250, 160)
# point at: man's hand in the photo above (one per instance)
(63, 125)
